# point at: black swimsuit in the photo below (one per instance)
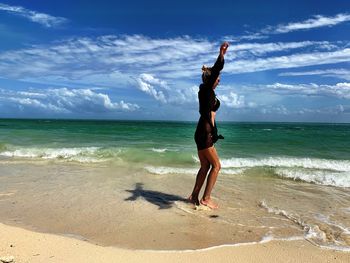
(207, 103)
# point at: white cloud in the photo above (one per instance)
(282, 110)
(233, 100)
(29, 102)
(41, 18)
(160, 90)
(272, 99)
(340, 73)
(339, 90)
(115, 61)
(333, 110)
(185, 95)
(107, 60)
(315, 22)
(274, 109)
(259, 49)
(290, 61)
(248, 36)
(146, 84)
(63, 100)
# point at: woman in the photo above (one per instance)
(206, 132)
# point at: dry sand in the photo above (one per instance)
(29, 246)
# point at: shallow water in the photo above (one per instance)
(87, 180)
(116, 205)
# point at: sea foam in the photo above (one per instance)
(159, 150)
(312, 163)
(312, 170)
(161, 170)
(79, 154)
(312, 232)
(323, 177)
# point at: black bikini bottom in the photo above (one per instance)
(203, 134)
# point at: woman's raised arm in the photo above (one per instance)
(219, 64)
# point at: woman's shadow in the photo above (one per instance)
(162, 200)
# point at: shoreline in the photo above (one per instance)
(29, 246)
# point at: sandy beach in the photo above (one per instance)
(27, 246)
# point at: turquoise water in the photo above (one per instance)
(317, 153)
(302, 151)
(330, 141)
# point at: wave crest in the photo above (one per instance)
(79, 154)
(157, 150)
(316, 176)
(310, 163)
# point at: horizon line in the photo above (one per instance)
(158, 120)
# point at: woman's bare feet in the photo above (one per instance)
(193, 200)
(209, 203)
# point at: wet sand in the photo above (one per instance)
(128, 208)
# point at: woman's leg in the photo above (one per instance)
(213, 158)
(202, 174)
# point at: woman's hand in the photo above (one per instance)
(223, 48)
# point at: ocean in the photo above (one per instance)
(111, 181)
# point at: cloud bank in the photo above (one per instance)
(340, 73)
(64, 100)
(339, 90)
(112, 60)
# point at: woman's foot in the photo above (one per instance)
(193, 200)
(209, 203)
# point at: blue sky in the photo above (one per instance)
(287, 60)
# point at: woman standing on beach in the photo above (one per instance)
(206, 133)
